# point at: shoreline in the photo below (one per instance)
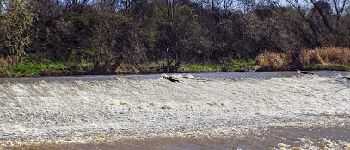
(203, 75)
(48, 69)
(82, 74)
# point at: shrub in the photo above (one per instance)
(15, 27)
(273, 61)
(325, 56)
(310, 57)
(335, 55)
(3, 64)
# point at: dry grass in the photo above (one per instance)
(3, 64)
(273, 61)
(126, 69)
(310, 57)
(325, 56)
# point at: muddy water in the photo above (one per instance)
(303, 138)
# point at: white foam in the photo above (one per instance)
(141, 107)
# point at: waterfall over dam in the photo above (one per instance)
(137, 108)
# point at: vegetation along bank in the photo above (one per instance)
(105, 37)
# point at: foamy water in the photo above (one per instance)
(145, 108)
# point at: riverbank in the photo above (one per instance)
(117, 109)
(49, 68)
(326, 58)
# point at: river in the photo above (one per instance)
(254, 110)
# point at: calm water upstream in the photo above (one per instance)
(226, 75)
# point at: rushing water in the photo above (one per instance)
(127, 106)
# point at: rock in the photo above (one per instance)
(176, 76)
(283, 145)
(189, 76)
(164, 75)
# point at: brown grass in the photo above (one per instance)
(126, 69)
(3, 64)
(330, 58)
(325, 56)
(273, 61)
(310, 57)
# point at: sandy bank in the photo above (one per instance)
(137, 108)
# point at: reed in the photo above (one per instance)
(325, 58)
(273, 61)
(334, 55)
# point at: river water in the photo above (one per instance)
(334, 138)
(225, 75)
(63, 99)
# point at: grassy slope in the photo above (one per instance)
(237, 65)
(34, 68)
(49, 68)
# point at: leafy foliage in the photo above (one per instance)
(109, 35)
(15, 24)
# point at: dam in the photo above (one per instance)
(211, 106)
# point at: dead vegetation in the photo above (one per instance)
(334, 58)
(325, 56)
(273, 61)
